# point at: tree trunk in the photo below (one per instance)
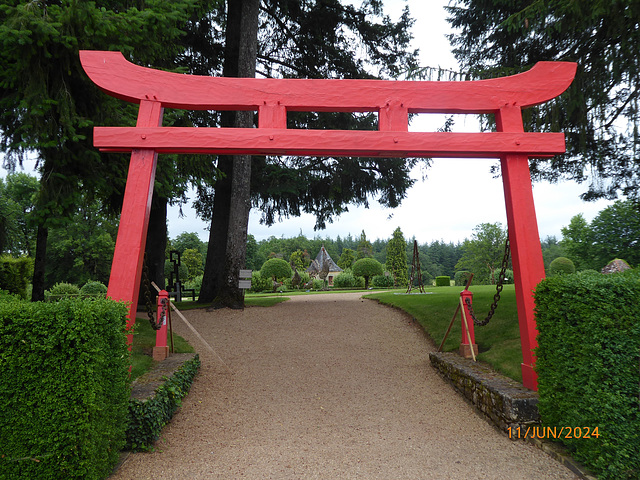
(213, 267)
(228, 235)
(37, 294)
(156, 246)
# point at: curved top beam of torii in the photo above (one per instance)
(393, 101)
(122, 79)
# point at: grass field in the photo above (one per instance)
(498, 342)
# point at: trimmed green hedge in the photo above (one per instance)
(443, 281)
(15, 274)
(147, 417)
(64, 388)
(587, 363)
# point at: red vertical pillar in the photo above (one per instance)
(465, 346)
(126, 267)
(528, 266)
(161, 350)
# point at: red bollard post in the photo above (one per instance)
(161, 350)
(465, 346)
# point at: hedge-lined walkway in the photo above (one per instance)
(326, 386)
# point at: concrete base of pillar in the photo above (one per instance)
(465, 350)
(160, 353)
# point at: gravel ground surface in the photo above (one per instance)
(329, 387)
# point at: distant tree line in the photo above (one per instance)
(82, 250)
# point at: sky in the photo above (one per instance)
(457, 194)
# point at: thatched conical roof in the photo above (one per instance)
(316, 265)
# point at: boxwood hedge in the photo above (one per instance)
(64, 388)
(588, 362)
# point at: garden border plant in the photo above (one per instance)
(147, 416)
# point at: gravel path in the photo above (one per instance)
(329, 387)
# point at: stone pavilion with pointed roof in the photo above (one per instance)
(316, 266)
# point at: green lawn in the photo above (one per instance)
(498, 342)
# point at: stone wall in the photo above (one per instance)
(505, 402)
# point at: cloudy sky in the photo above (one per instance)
(472, 195)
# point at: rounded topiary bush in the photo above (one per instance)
(588, 272)
(61, 290)
(276, 269)
(561, 266)
(367, 268)
(443, 281)
(94, 288)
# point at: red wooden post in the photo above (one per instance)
(161, 350)
(465, 347)
(126, 267)
(526, 252)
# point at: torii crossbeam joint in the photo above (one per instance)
(393, 101)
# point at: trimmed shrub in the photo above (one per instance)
(61, 290)
(587, 364)
(589, 272)
(93, 288)
(259, 283)
(345, 280)
(276, 269)
(367, 268)
(8, 297)
(15, 274)
(146, 418)
(64, 388)
(443, 281)
(561, 266)
(461, 278)
(382, 281)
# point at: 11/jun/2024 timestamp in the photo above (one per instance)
(553, 432)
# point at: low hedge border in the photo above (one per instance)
(156, 396)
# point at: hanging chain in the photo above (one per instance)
(499, 287)
(147, 295)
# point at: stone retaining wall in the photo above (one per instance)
(505, 402)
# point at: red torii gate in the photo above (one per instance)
(505, 97)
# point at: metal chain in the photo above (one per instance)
(499, 287)
(147, 295)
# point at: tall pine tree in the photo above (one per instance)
(48, 105)
(599, 111)
(397, 258)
